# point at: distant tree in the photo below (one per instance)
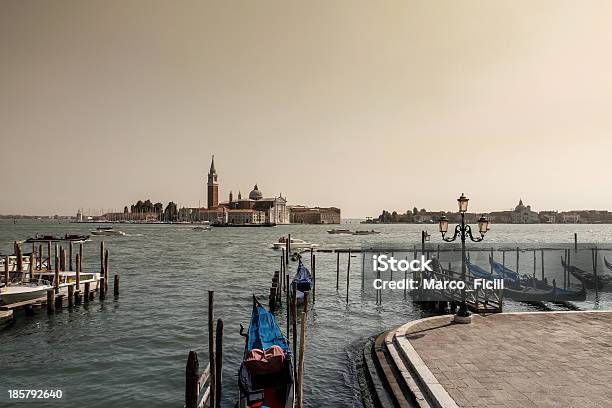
(125, 210)
(394, 217)
(415, 211)
(171, 212)
(158, 207)
(423, 211)
(147, 206)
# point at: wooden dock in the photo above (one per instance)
(67, 294)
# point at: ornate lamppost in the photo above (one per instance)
(463, 231)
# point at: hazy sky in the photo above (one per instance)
(360, 105)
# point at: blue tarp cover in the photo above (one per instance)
(302, 275)
(264, 332)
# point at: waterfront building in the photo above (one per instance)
(212, 186)
(317, 215)
(256, 209)
(521, 214)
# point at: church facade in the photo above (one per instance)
(254, 210)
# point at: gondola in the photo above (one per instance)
(526, 288)
(302, 282)
(608, 264)
(588, 279)
(265, 377)
(511, 279)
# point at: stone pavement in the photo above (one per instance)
(548, 359)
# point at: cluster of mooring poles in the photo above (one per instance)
(62, 264)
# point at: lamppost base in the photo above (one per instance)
(463, 319)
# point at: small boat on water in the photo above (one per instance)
(265, 377)
(339, 231)
(366, 232)
(107, 231)
(202, 228)
(65, 278)
(302, 282)
(588, 279)
(76, 237)
(296, 244)
(23, 291)
(54, 238)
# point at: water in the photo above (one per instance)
(132, 351)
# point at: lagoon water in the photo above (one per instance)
(131, 351)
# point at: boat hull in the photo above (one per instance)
(14, 294)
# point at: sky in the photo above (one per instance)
(356, 104)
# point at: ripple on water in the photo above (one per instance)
(132, 351)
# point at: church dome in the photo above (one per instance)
(255, 194)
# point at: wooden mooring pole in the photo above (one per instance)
(218, 363)
(575, 241)
(287, 303)
(337, 271)
(294, 325)
(48, 255)
(211, 346)
(70, 294)
(348, 275)
(6, 270)
(106, 270)
(77, 292)
(116, 285)
(102, 259)
(300, 388)
(542, 256)
(192, 387)
(50, 301)
(81, 256)
(70, 256)
(314, 277)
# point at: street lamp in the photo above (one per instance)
(463, 231)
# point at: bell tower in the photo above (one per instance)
(213, 186)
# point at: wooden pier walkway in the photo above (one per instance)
(532, 359)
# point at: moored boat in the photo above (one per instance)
(54, 238)
(21, 291)
(66, 278)
(339, 231)
(302, 282)
(366, 232)
(588, 279)
(295, 243)
(526, 288)
(107, 231)
(608, 264)
(265, 377)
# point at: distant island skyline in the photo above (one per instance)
(521, 213)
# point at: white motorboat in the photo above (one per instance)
(20, 292)
(202, 228)
(12, 265)
(107, 231)
(295, 244)
(339, 231)
(65, 278)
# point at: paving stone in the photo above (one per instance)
(521, 360)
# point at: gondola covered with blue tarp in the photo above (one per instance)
(302, 281)
(265, 377)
